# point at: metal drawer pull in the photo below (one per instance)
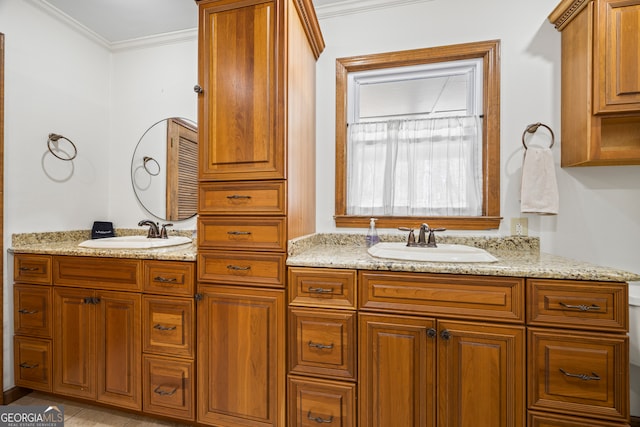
(320, 346)
(238, 196)
(25, 311)
(165, 280)
(239, 233)
(238, 267)
(321, 290)
(27, 366)
(581, 307)
(583, 377)
(29, 268)
(163, 328)
(165, 393)
(320, 420)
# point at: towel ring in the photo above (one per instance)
(54, 137)
(533, 128)
(146, 160)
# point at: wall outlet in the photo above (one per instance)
(519, 226)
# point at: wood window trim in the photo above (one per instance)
(489, 51)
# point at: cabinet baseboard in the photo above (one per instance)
(635, 421)
(13, 394)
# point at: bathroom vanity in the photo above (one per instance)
(532, 340)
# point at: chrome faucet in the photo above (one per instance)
(154, 231)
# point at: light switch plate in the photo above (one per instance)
(519, 226)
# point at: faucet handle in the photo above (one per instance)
(163, 230)
(411, 239)
(431, 240)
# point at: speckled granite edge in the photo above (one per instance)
(491, 244)
(66, 243)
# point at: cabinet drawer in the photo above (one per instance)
(243, 198)
(32, 310)
(315, 402)
(168, 325)
(241, 268)
(32, 269)
(322, 343)
(579, 373)
(169, 387)
(104, 273)
(242, 233)
(32, 363)
(322, 287)
(554, 420)
(577, 305)
(169, 277)
(469, 297)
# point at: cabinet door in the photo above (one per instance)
(616, 56)
(32, 363)
(74, 343)
(32, 310)
(481, 372)
(118, 352)
(238, 136)
(241, 356)
(397, 371)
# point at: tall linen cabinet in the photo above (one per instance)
(256, 136)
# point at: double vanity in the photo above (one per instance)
(529, 339)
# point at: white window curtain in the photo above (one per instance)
(425, 167)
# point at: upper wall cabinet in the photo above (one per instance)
(600, 81)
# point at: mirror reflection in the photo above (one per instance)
(164, 169)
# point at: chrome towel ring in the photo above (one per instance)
(533, 128)
(54, 137)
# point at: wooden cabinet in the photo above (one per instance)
(241, 346)
(256, 115)
(600, 83)
(97, 346)
(578, 364)
(83, 323)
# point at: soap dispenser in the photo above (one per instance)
(372, 234)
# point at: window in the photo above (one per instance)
(435, 113)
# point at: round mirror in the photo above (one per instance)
(164, 169)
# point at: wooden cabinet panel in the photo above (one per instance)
(397, 367)
(322, 343)
(32, 363)
(243, 198)
(118, 349)
(32, 310)
(577, 304)
(481, 375)
(169, 387)
(617, 84)
(242, 268)
(579, 373)
(242, 233)
(322, 287)
(315, 402)
(554, 420)
(75, 350)
(168, 326)
(169, 277)
(241, 356)
(28, 268)
(103, 273)
(472, 297)
(238, 132)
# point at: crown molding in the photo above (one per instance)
(137, 43)
(348, 7)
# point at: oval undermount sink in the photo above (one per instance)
(443, 253)
(134, 242)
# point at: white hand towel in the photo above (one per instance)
(539, 192)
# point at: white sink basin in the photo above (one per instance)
(134, 242)
(443, 253)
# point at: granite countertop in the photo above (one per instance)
(517, 257)
(66, 243)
